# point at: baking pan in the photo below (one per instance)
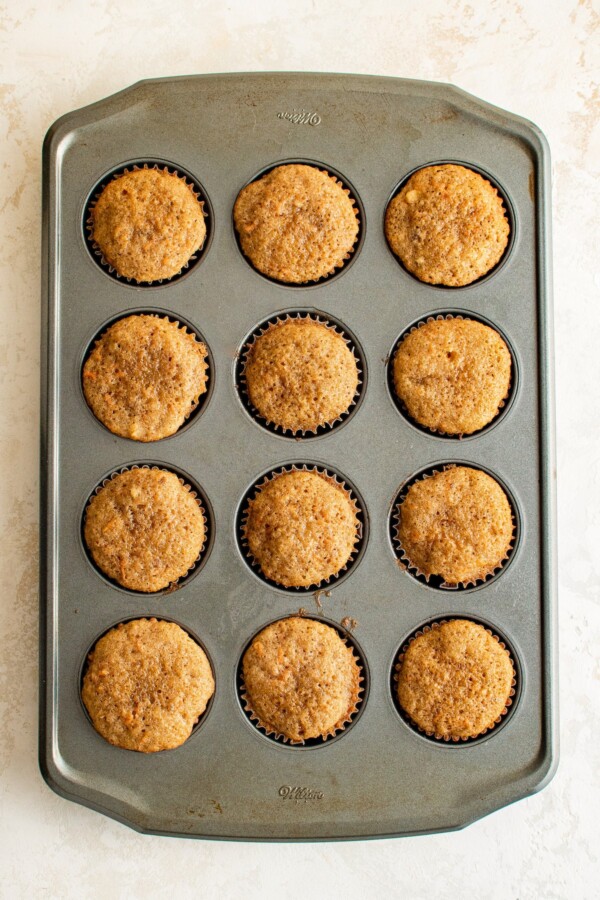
(380, 777)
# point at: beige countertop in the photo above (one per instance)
(540, 60)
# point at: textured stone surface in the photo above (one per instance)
(538, 59)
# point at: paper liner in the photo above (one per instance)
(148, 618)
(89, 224)
(403, 560)
(336, 729)
(181, 326)
(333, 478)
(174, 585)
(274, 323)
(448, 738)
(310, 282)
(402, 406)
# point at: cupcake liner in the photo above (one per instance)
(355, 209)
(336, 729)
(335, 270)
(183, 579)
(333, 478)
(244, 357)
(189, 330)
(402, 406)
(448, 739)
(89, 223)
(407, 565)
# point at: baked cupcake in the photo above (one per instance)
(301, 528)
(147, 224)
(300, 680)
(455, 680)
(146, 685)
(296, 223)
(300, 374)
(452, 375)
(456, 524)
(144, 377)
(145, 529)
(447, 225)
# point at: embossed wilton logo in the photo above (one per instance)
(287, 792)
(300, 117)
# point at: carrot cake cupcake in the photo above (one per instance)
(456, 524)
(146, 684)
(147, 224)
(301, 528)
(144, 377)
(447, 225)
(144, 529)
(300, 374)
(455, 680)
(452, 375)
(296, 223)
(300, 679)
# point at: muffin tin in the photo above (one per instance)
(379, 777)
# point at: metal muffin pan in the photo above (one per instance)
(229, 780)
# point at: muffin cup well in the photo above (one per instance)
(160, 165)
(272, 323)
(160, 618)
(181, 322)
(509, 211)
(358, 209)
(436, 581)
(205, 508)
(334, 478)
(505, 404)
(341, 727)
(447, 740)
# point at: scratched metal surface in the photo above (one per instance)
(228, 780)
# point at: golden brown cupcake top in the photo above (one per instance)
(457, 524)
(147, 223)
(452, 375)
(301, 528)
(296, 223)
(147, 683)
(144, 377)
(455, 680)
(144, 529)
(300, 374)
(447, 225)
(300, 679)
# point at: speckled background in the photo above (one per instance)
(538, 59)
